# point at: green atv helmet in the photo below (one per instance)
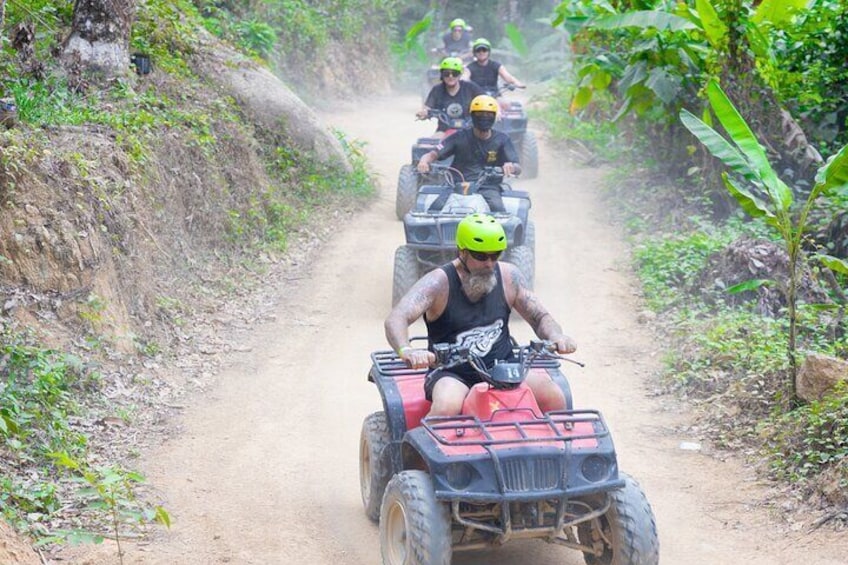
(481, 43)
(458, 22)
(451, 64)
(480, 232)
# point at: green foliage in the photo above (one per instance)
(110, 491)
(301, 29)
(412, 45)
(565, 125)
(651, 60)
(256, 36)
(811, 76)
(770, 198)
(39, 391)
(166, 30)
(37, 398)
(669, 265)
(805, 441)
(302, 183)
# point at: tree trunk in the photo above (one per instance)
(100, 36)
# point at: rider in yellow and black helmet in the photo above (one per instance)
(473, 150)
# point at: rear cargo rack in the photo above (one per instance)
(558, 423)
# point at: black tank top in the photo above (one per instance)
(482, 325)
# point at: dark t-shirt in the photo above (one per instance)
(471, 154)
(483, 326)
(485, 76)
(457, 46)
(440, 99)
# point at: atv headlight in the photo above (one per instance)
(458, 475)
(422, 234)
(595, 469)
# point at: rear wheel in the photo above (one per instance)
(522, 257)
(405, 272)
(529, 155)
(374, 467)
(415, 528)
(407, 190)
(627, 532)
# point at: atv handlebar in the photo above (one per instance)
(504, 88)
(442, 116)
(503, 374)
(488, 176)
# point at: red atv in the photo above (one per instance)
(501, 470)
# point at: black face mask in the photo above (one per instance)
(483, 120)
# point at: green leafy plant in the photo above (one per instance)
(760, 192)
(256, 36)
(810, 438)
(110, 490)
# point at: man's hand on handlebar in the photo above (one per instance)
(417, 358)
(511, 169)
(564, 344)
(423, 114)
(424, 163)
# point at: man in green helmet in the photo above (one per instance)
(485, 72)
(457, 41)
(452, 95)
(468, 301)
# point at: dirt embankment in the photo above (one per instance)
(124, 236)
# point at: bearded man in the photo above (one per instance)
(468, 302)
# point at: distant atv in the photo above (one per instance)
(500, 470)
(409, 179)
(431, 234)
(512, 120)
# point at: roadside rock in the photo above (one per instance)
(818, 375)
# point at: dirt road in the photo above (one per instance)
(266, 469)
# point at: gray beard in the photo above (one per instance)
(478, 285)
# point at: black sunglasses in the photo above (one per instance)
(480, 256)
(486, 49)
(451, 73)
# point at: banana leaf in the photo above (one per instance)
(643, 19)
(833, 263)
(516, 39)
(755, 207)
(719, 147)
(750, 284)
(714, 28)
(777, 11)
(834, 174)
(741, 135)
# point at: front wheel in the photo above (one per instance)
(407, 191)
(374, 467)
(627, 533)
(415, 528)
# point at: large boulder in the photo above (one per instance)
(275, 110)
(818, 375)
